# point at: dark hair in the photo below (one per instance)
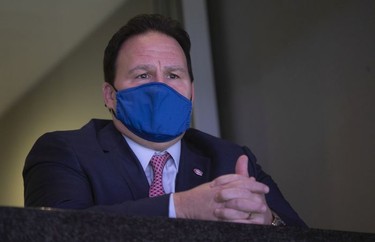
(138, 25)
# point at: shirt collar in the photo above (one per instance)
(145, 154)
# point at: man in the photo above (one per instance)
(147, 161)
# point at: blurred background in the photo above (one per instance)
(294, 80)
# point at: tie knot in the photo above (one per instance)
(158, 161)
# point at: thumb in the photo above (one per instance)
(241, 166)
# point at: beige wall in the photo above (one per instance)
(296, 82)
(66, 98)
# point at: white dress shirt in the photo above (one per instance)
(144, 156)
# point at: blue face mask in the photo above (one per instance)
(154, 111)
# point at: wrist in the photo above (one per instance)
(178, 205)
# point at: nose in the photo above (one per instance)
(159, 78)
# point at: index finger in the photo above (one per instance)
(225, 179)
(239, 181)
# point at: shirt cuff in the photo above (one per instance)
(172, 210)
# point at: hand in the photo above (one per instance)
(242, 198)
(197, 203)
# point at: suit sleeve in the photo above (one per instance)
(54, 178)
(274, 198)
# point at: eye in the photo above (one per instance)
(173, 76)
(143, 76)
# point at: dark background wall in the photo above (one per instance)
(296, 82)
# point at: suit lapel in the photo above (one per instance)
(122, 157)
(193, 169)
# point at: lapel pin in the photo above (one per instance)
(198, 172)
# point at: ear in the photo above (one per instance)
(192, 92)
(109, 95)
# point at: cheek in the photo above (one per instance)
(122, 85)
(184, 90)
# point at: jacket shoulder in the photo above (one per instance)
(204, 139)
(93, 126)
(214, 146)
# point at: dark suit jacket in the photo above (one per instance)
(94, 168)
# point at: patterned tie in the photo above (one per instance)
(157, 164)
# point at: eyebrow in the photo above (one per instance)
(151, 68)
(141, 67)
(176, 68)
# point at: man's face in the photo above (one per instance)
(153, 57)
(145, 58)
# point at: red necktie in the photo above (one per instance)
(157, 164)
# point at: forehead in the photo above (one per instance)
(151, 44)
